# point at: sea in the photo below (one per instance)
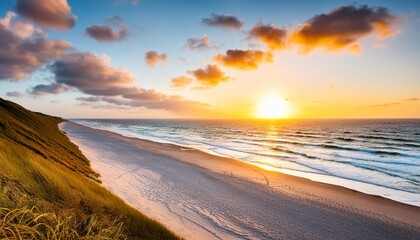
(374, 156)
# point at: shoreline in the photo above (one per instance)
(320, 195)
(352, 184)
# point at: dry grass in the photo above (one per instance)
(47, 187)
(24, 223)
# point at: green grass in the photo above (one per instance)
(43, 174)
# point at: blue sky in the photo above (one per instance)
(378, 76)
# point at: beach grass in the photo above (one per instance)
(48, 189)
(25, 223)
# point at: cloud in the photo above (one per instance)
(114, 20)
(210, 75)
(131, 2)
(134, 2)
(151, 99)
(411, 99)
(381, 105)
(200, 43)
(181, 81)
(89, 99)
(385, 104)
(24, 49)
(92, 75)
(153, 57)
(224, 21)
(343, 27)
(53, 88)
(243, 59)
(391, 103)
(104, 33)
(101, 105)
(273, 37)
(19, 28)
(49, 13)
(207, 77)
(14, 94)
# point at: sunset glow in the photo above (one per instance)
(272, 107)
(330, 60)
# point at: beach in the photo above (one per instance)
(203, 196)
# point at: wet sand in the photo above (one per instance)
(201, 196)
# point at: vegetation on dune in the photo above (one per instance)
(40, 134)
(49, 191)
(24, 223)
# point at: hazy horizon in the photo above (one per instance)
(252, 119)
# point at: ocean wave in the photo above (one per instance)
(387, 172)
(293, 152)
(293, 142)
(386, 138)
(388, 162)
(377, 152)
(345, 139)
(393, 156)
(392, 145)
(301, 136)
(410, 145)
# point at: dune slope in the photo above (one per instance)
(47, 187)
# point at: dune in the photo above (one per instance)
(202, 196)
(48, 189)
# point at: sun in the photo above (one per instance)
(272, 106)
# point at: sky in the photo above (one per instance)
(212, 59)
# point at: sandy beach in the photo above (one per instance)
(201, 196)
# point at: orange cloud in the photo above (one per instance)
(343, 27)
(181, 81)
(210, 75)
(243, 59)
(153, 57)
(49, 13)
(273, 37)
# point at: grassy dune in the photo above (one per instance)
(49, 191)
